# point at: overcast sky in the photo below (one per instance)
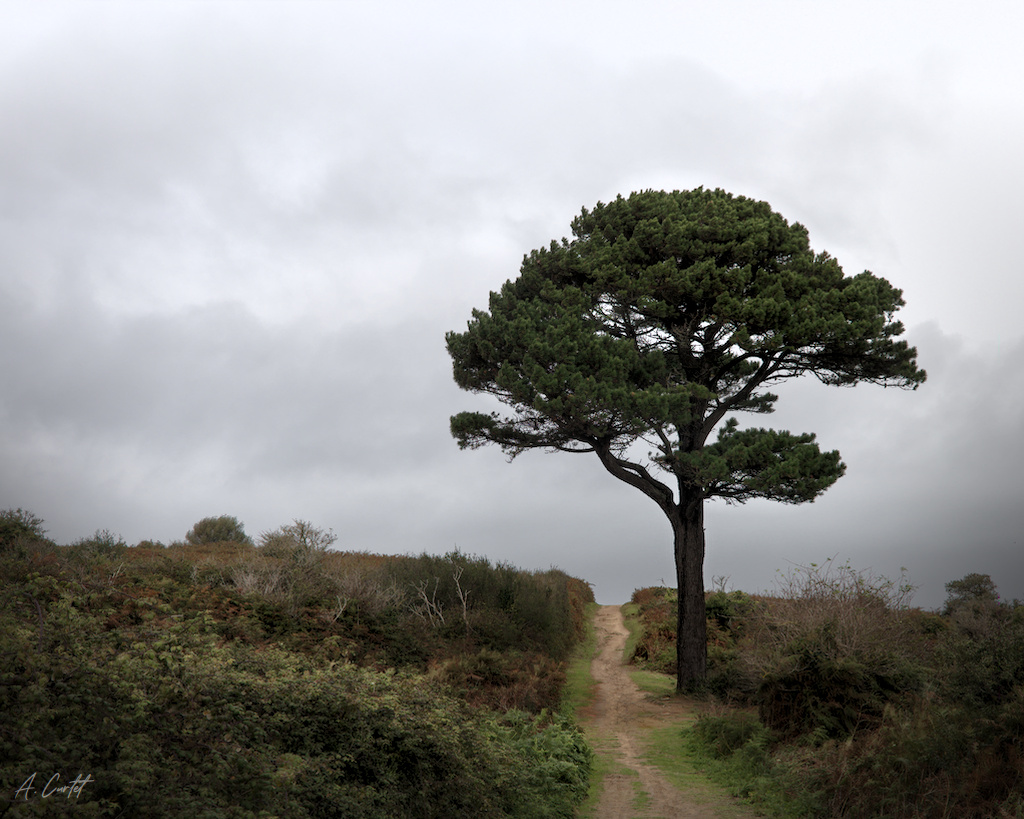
(233, 236)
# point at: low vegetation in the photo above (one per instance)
(836, 698)
(279, 677)
(233, 678)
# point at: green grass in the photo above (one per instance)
(666, 748)
(578, 691)
(670, 754)
(641, 798)
(604, 765)
(747, 773)
(630, 616)
(651, 682)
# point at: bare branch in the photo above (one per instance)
(463, 594)
(431, 611)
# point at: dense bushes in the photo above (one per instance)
(498, 607)
(504, 680)
(655, 647)
(835, 649)
(864, 706)
(815, 687)
(185, 687)
(221, 529)
(20, 530)
(180, 725)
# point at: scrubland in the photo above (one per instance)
(282, 678)
(224, 677)
(835, 697)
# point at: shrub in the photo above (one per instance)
(298, 540)
(867, 611)
(737, 751)
(495, 606)
(215, 680)
(655, 647)
(832, 651)
(171, 721)
(721, 735)
(289, 568)
(879, 710)
(103, 544)
(20, 529)
(976, 591)
(816, 688)
(866, 707)
(222, 529)
(504, 681)
(558, 761)
(983, 655)
(729, 611)
(927, 760)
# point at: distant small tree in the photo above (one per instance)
(298, 537)
(20, 528)
(225, 528)
(638, 339)
(296, 572)
(103, 542)
(971, 589)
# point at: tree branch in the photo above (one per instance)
(769, 365)
(636, 475)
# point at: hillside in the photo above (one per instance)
(836, 698)
(221, 677)
(233, 679)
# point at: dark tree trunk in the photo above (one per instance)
(691, 625)
(687, 520)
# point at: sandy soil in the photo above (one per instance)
(616, 724)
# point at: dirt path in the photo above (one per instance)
(617, 723)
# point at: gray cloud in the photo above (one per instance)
(231, 244)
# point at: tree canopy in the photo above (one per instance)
(971, 589)
(217, 530)
(664, 314)
(18, 529)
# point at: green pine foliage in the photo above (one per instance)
(227, 679)
(662, 318)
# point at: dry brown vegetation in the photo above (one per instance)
(835, 697)
(283, 678)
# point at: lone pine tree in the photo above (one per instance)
(635, 340)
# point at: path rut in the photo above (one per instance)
(617, 722)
